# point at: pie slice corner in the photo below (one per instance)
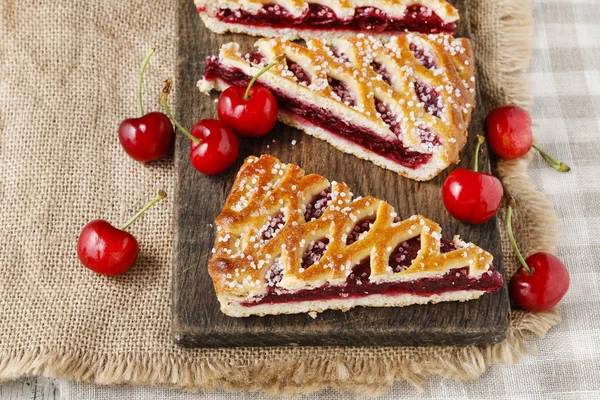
(299, 19)
(404, 104)
(289, 243)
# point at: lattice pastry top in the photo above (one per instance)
(415, 92)
(278, 221)
(342, 8)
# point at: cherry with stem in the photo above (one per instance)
(108, 250)
(250, 111)
(214, 147)
(508, 130)
(472, 196)
(541, 281)
(150, 136)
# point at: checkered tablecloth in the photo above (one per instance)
(565, 82)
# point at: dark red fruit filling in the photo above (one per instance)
(317, 206)
(425, 58)
(301, 75)
(390, 119)
(393, 149)
(273, 276)
(339, 56)
(256, 58)
(428, 137)
(342, 90)
(314, 252)
(359, 285)
(272, 226)
(360, 228)
(380, 69)
(371, 19)
(430, 98)
(416, 19)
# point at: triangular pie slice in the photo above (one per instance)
(404, 105)
(295, 19)
(290, 243)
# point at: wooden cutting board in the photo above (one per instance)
(197, 319)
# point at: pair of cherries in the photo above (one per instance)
(475, 197)
(249, 111)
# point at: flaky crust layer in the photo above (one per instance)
(265, 187)
(452, 78)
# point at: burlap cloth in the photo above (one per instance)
(68, 76)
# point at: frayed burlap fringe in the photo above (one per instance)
(502, 34)
(369, 376)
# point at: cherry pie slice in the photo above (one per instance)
(405, 105)
(290, 243)
(295, 19)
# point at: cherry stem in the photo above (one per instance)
(262, 71)
(141, 79)
(511, 204)
(480, 140)
(161, 195)
(164, 99)
(554, 163)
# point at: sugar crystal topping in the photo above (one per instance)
(276, 246)
(412, 84)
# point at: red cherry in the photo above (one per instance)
(472, 196)
(250, 111)
(108, 250)
(254, 116)
(105, 249)
(213, 146)
(508, 131)
(147, 138)
(217, 149)
(150, 136)
(541, 281)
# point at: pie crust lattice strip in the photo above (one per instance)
(290, 243)
(296, 19)
(404, 105)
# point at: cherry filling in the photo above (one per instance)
(358, 283)
(425, 58)
(301, 75)
(272, 226)
(317, 206)
(315, 251)
(256, 58)
(342, 91)
(392, 149)
(427, 95)
(371, 19)
(380, 69)
(416, 18)
(360, 228)
(390, 119)
(428, 138)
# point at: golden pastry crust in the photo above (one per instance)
(265, 187)
(449, 82)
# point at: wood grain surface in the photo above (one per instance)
(197, 319)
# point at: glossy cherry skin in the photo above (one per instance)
(544, 287)
(472, 197)
(147, 138)
(253, 117)
(105, 249)
(508, 131)
(218, 148)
